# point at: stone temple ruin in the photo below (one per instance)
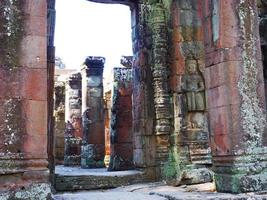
(189, 108)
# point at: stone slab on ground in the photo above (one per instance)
(107, 196)
(159, 191)
(75, 178)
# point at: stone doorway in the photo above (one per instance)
(92, 129)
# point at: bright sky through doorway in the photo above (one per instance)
(84, 28)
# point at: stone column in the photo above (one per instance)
(73, 117)
(93, 149)
(236, 101)
(121, 121)
(23, 100)
(160, 71)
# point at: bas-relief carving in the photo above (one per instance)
(196, 121)
(193, 86)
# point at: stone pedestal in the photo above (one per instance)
(121, 121)
(93, 112)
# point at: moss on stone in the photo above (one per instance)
(172, 170)
(253, 118)
(13, 126)
(11, 32)
(41, 191)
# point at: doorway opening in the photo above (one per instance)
(92, 91)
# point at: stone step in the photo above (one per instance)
(75, 178)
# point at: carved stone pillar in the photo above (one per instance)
(236, 101)
(160, 72)
(73, 133)
(93, 149)
(121, 121)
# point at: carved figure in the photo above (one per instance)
(193, 86)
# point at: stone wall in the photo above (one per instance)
(189, 152)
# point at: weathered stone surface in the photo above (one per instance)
(237, 119)
(160, 190)
(36, 191)
(72, 179)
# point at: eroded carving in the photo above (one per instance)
(193, 86)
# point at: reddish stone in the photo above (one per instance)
(124, 134)
(178, 67)
(77, 125)
(31, 54)
(176, 36)
(217, 97)
(162, 140)
(35, 25)
(124, 150)
(177, 54)
(175, 15)
(221, 144)
(35, 8)
(220, 121)
(35, 116)
(127, 90)
(32, 145)
(96, 133)
(10, 83)
(34, 84)
(228, 36)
